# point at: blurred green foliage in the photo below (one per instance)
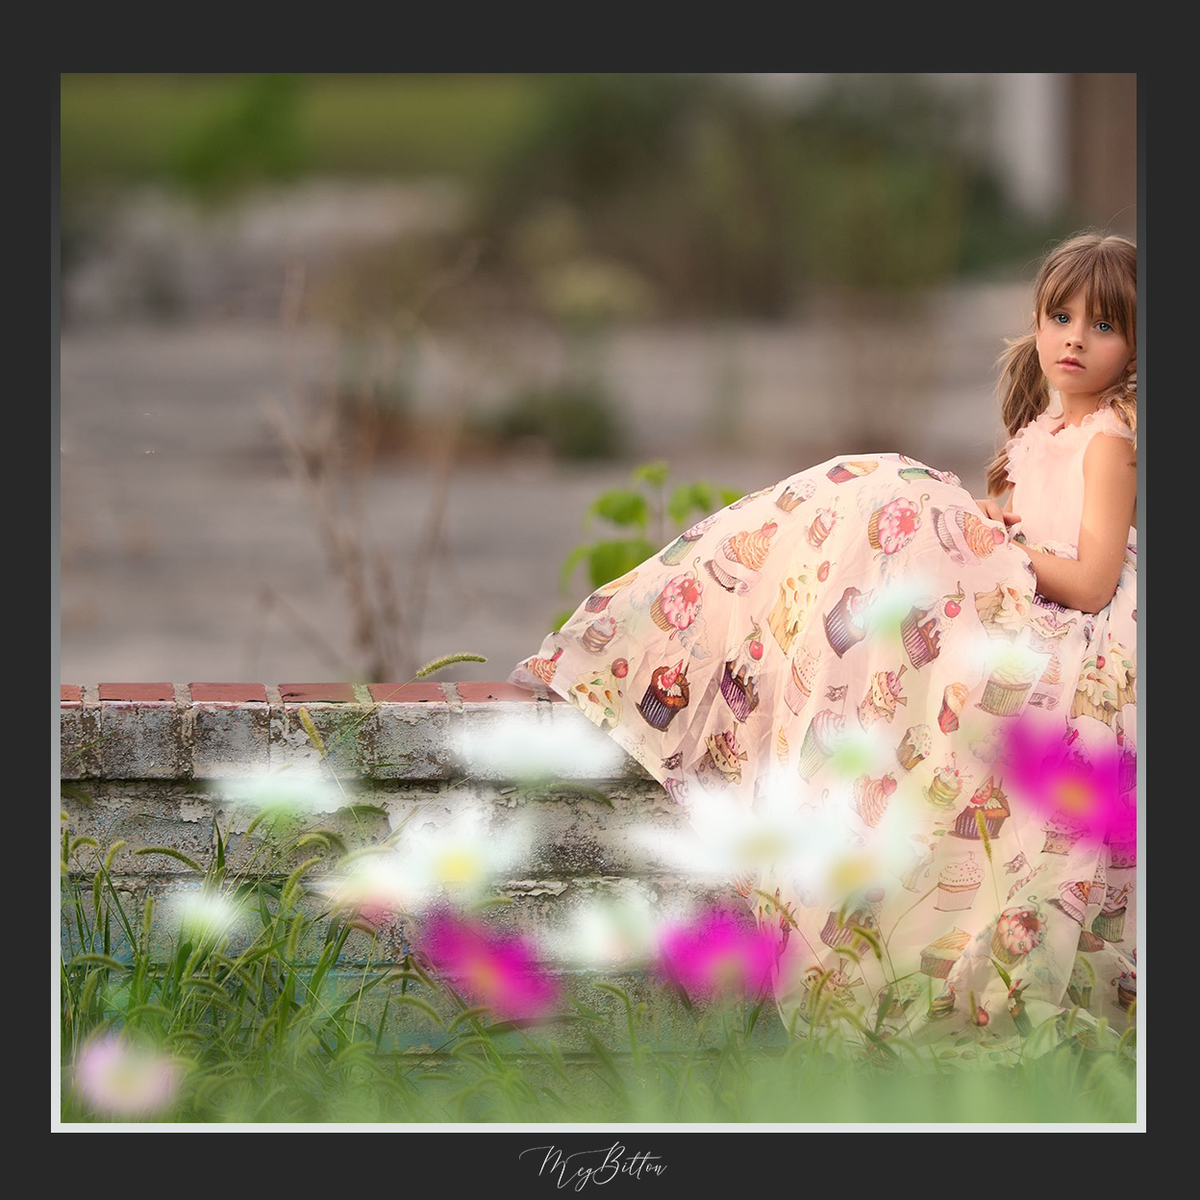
(729, 206)
(255, 134)
(890, 193)
(676, 175)
(130, 127)
(615, 196)
(576, 419)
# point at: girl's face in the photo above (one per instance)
(1099, 349)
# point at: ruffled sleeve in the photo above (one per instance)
(1105, 420)
(1036, 441)
(1017, 449)
(1029, 443)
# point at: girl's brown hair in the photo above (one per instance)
(1105, 266)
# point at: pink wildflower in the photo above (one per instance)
(118, 1079)
(499, 972)
(718, 953)
(1055, 774)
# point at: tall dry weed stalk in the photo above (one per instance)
(332, 472)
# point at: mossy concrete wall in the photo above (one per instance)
(168, 765)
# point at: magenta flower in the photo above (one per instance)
(1063, 781)
(499, 972)
(117, 1079)
(718, 953)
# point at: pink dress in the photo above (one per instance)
(835, 660)
(1046, 470)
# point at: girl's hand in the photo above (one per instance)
(992, 510)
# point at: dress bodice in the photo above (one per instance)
(1045, 467)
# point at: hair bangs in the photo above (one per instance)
(1109, 288)
(1111, 298)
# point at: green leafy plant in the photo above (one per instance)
(644, 511)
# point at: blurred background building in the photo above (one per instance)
(348, 359)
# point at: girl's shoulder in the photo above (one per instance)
(1046, 440)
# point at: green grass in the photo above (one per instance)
(300, 1013)
(274, 1005)
(129, 127)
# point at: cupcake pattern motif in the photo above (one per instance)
(859, 637)
(915, 746)
(739, 681)
(739, 559)
(957, 884)
(895, 524)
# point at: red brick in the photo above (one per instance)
(478, 693)
(70, 693)
(407, 693)
(137, 691)
(228, 693)
(310, 693)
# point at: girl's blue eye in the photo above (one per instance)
(1061, 314)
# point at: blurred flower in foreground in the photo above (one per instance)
(724, 840)
(607, 931)
(1062, 779)
(496, 971)
(202, 915)
(118, 1079)
(717, 953)
(376, 885)
(462, 858)
(287, 793)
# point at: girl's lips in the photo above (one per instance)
(1070, 366)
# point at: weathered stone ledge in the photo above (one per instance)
(422, 731)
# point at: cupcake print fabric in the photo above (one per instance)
(850, 647)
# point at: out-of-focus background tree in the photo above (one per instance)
(345, 358)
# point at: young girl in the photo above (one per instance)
(1087, 494)
(839, 666)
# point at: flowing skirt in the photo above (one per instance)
(852, 670)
